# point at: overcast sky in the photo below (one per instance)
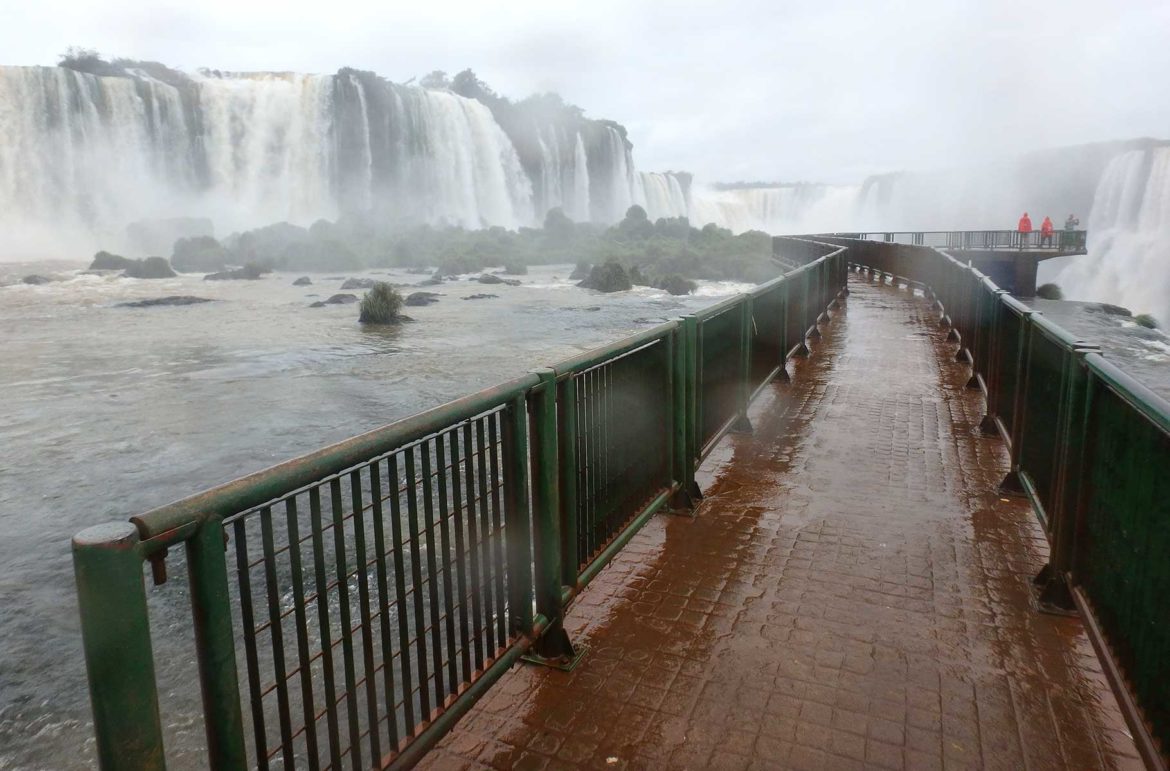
(813, 90)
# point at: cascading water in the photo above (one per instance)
(1129, 237)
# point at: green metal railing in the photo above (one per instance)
(1090, 447)
(350, 605)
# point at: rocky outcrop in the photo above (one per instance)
(151, 267)
(610, 277)
(581, 272)
(170, 300)
(249, 272)
(35, 280)
(198, 254)
(488, 278)
(337, 299)
(677, 285)
(422, 298)
(303, 281)
(480, 296)
(108, 261)
(359, 283)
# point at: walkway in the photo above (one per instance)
(852, 593)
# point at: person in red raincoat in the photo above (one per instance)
(1046, 232)
(1025, 230)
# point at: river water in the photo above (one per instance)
(110, 410)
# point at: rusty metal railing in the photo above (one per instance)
(350, 605)
(1090, 447)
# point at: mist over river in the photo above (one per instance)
(109, 411)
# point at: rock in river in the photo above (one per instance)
(422, 298)
(178, 299)
(151, 267)
(303, 281)
(480, 296)
(359, 283)
(337, 299)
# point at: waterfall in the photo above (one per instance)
(580, 209)
(1128, 261)
(84, 155)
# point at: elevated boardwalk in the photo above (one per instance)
(853, 592)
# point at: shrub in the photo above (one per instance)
(1049, 292)
(381, 305)
(1147, 321)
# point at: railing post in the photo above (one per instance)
(215, 646)
(742, 424)
(691, 381)
(682, 469)
(1053, 580)
(517, 515)
(553, 647)
(115, 633)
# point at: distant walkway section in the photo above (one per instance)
(852, 593)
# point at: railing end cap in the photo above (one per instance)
(115, 536)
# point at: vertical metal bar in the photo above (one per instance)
(516, 514)
(460, 556)
(480, 621)
(690, 324)
(416, 585)
(493, 605)
(545, 495)
(259, 735)
(276, 633)
(445, 541)
(568, 479)
(215, 647)
(398, 548)
(500, 541)
(115, 633)
(385, 603)
(432, 574)
(581, 386)
(351, 707)
(357, 503)
(324, 626)
(304, 659)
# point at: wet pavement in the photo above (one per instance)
(852, 593)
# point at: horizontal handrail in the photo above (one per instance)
(268, 484)
(444, 546)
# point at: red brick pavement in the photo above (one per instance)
(852, 593)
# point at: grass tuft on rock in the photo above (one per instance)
(381, 305)
(1049, 292)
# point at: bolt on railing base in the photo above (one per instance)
(953, 336)
(987, 426)
(1011, 484)
(973, 383)
(682, 502)
(554, 650)
(742, 426)
(1053, 594)
(783, 376)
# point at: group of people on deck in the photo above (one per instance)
(1046, 228)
